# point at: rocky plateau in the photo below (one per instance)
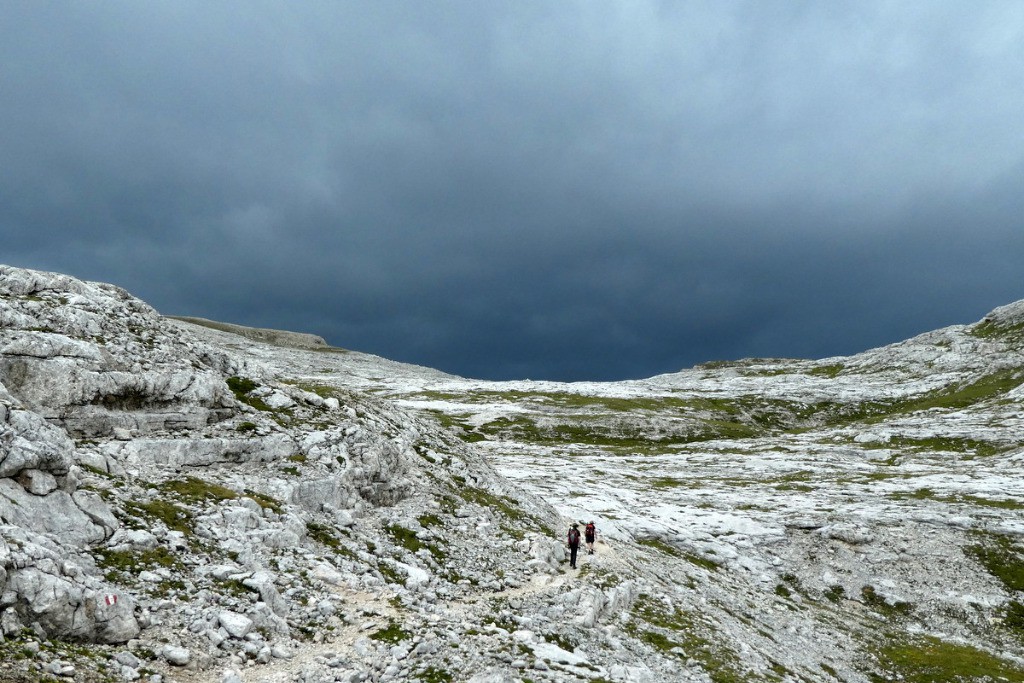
(190, 501)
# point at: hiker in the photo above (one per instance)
(574, 543)
(589, 534)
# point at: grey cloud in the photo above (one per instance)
(570, 190)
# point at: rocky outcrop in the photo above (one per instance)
(119, 366)
(45, 588)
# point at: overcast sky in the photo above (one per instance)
(561, 190)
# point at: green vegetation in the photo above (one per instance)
(123, 566)
(322, 534)
(433, 675)
(926, 493)
(835, 593)
(990, 329)
(241, 387)
(879, 604)
(391, 634)
(923, 493)
(674, 632)
(321, 390)
(829, 371)
(1013, 618)
(947, 444)
(457, 425)
(428, 520)
(673, 551)
(174, 517)
(619, 424)
(408, 539)
(632, 438)
(503, 505)
(561, 641)
(599, 577)
(990, 502)
(962, 396)
(1001, 556)
(21, 654)
(930, 660)
(264, 501)
(193, 490)
(390, 572)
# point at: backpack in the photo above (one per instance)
(574, 536)
(591, 530)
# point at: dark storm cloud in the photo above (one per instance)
(575, 190)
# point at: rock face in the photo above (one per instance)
(120, 368)
(187, 500)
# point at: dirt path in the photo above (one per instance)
(379, 611)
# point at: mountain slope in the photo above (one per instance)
(201, 502)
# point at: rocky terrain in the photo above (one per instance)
(183, 500)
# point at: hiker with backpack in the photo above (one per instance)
(590, 534)
(574, 543)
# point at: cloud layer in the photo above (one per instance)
(566, 191)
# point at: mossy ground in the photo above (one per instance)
(1002, 556)
(930, 660)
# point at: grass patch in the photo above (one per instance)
(673, 632)
(321, 390)
(890, 609)
(503, 505)
(174, 517)
(835, 593)
(324, 535)
(600, 577)
(433, 675)
(965, 395)
(828, 371)
(456, 424)
(564, 642)
(946, 444)
(123, 566)
(990, 329)
(930, 660)
(241, 387)
(193, 490)
(673, 551)
(1001, 556)
(991, 502)
(923, 493)
(428, 520)
(264, 501)
(660, 546)
(408, 539)
(1013, 618)
(391, 634)
(926, 493)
